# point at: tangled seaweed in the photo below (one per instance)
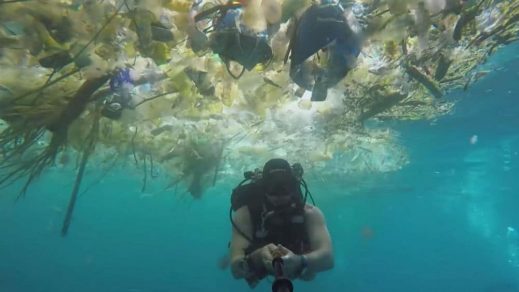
(34, 166)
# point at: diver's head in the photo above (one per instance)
(281, 186)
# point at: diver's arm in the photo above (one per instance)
(239, 243)
(321, 256)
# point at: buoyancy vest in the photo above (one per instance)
(284, 226)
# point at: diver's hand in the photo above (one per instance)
(292, 263)
(262, 257)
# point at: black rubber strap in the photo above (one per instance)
(227, 62)
(207, 13)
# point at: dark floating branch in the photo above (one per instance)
(155, 97)
(133, 146)
(87, 151)
(153, 173)
(145, 179)
(13, 1)
(424, 80)
(46, 85)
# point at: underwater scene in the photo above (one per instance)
(259, 145)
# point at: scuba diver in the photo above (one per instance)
(272, 223)
(121, 85)
(322, 27)
(230, 37)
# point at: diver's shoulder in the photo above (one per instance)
(311, 210)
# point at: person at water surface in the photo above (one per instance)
(273, 220)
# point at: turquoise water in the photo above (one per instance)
(439, 224)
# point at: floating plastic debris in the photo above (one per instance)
(474, 139)
(210, 82)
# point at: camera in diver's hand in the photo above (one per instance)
(281, 283)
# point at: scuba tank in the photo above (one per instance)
(233, 41)
(252, 192)
(322, 26)
(121, 85)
